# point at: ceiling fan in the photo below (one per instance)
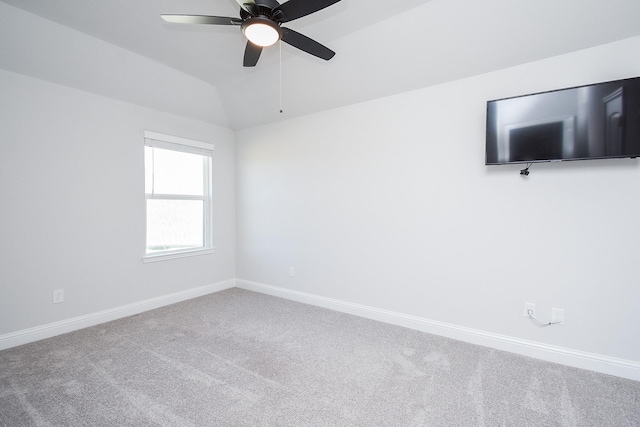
(261, 20)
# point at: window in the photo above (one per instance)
(178, 196)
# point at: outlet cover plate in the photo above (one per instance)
(529, 306)
(557, 316)
(58, 296)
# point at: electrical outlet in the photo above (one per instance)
(557, 316)
(292, 272)
(58, 296)
(529, 310)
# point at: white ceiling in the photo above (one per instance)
(383, 47)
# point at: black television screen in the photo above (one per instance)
(595, 121)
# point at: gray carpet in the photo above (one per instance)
(239, 358)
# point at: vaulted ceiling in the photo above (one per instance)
(383, 48)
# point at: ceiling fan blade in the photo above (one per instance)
(303, 42)
(251, 54)
(248, 6)
(202, 19)
(294, 9)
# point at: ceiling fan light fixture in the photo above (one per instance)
(261, 31)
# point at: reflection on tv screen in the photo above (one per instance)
(587, 122)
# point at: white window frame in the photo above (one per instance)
(175, 143)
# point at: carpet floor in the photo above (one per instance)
(240, 358)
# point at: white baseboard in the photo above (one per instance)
(579, 359)
(69, 325)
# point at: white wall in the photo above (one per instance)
(72, 204)
(388, 204)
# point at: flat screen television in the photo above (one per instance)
(595, 121)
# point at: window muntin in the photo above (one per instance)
(178, 195)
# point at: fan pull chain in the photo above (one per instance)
(280, 76)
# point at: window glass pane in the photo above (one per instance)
(174, 225)
(173, 172)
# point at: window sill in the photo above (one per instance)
(175, 255)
